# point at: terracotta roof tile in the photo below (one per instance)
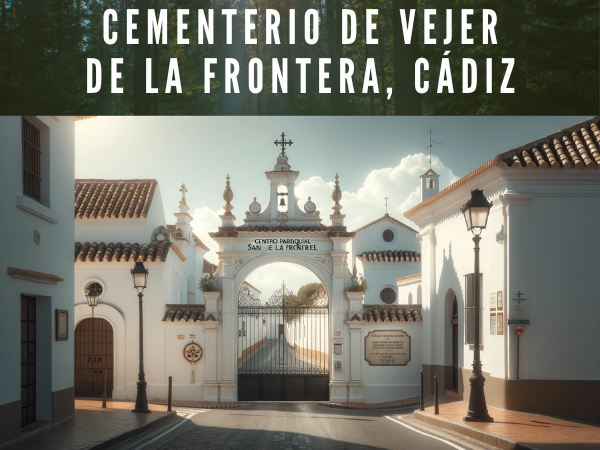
(199, 243)
(97, 199)
(571, 147)
(178, 252)
(414, 276)
(178, 236)
(392, 313)
(183, 313)
(119, 252)
(390, 256)
(176, 232)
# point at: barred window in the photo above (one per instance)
(96, 286)
(470, 308)
(32, 155)
(388, 295)
(388, 235)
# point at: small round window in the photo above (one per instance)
(388, 295)
(388, 235)
(96, 286)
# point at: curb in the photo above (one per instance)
(405, 405)
(210, 407)
(473, 433)
(133, 432)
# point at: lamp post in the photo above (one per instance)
(92, 296)
(476, 212)
(140, 275)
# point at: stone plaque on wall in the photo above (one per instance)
(387, 348)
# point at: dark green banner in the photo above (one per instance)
(299, 57)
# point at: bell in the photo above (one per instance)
(282, 202)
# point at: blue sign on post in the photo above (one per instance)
(518, 322)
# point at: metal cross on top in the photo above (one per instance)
(386, 205)
(283, 143)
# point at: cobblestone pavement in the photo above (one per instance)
(276, 354)
(290, 425)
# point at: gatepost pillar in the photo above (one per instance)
(338, 385)
(228, 382)
(355, 315)
(211, 324)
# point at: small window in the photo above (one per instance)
(388, 295)
(388, 236)
(94, 285)
(32, 161)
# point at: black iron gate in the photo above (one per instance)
(283, 346)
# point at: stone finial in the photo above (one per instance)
(228, 196)
(354, 276)
(336, 196)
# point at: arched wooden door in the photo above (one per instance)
(92, 356)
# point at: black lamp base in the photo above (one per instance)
(141, 401)
(478, 419)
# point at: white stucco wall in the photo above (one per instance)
(162, 350)
(54, 255)
(391, 383)
(380, 275)
(409, 292)
(533, 244)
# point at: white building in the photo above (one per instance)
(37, 172)
(538, 265)
(384, 250)
(118, 222)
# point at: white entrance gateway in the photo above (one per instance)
(282, 232)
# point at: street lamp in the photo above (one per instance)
(140, 275)
(476, 212)
(92, 296)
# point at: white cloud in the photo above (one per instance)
(205, 220)
(399, 183)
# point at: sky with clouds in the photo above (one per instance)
(375, 157)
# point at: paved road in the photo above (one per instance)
(275, 355)
(291, 425)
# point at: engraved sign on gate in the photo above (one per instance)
(387, 348)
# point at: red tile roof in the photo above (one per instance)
(101, 252)
(568, 148)
(392, 313)
(178, 236)
(414, 276)
(390, 256)
(97, 199)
